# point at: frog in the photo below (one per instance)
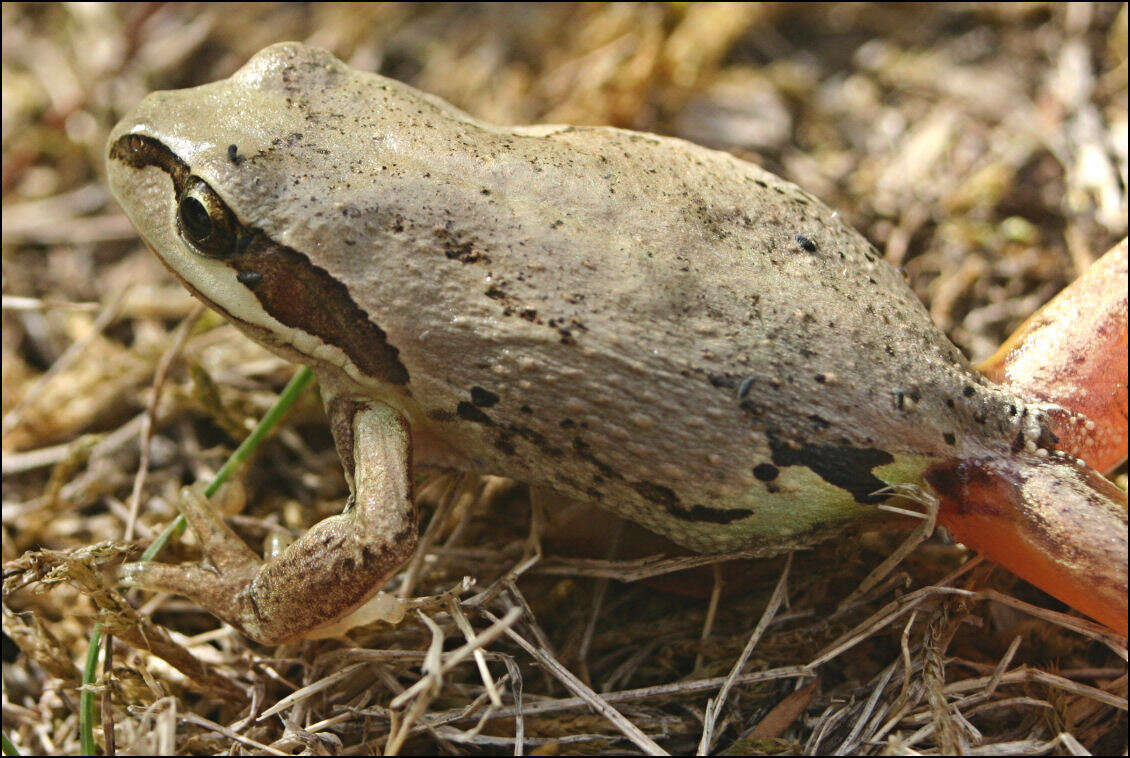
(622, 318)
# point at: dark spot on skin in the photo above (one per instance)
(234, 156)
(249, 278)
(537, 438)
(846, 467)
(1047, 439)
(968, 391)
(568, 423)
(526, 409)
(483, 398)
(470, 413)
(820, 378)
(949, 438)
(656, 493)
(504, 444)
(819, 421)
(1018, 442)
(949, 402)
(749, 406)
(458, 249)
(584, 452)
(766, 472)
(707, 514)
(716, 380)
(439, 414)
(466, 254)
(806, 244)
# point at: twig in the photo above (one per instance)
(714, 707)
(147, 420)
(660, 692)
(583, 691)
(464, 625)
(311, 689)
(457, 656)
(711, 613)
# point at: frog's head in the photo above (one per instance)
(241, 188)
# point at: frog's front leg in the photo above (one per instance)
(334, 568)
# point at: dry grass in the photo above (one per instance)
(983, 148)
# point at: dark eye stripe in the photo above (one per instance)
(289, 287)
(139, 151)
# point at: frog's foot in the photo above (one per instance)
(1058, 524)
(333, 569)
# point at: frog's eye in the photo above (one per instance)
(205, 222)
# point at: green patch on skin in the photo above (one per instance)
(798, 500)
(906, 469)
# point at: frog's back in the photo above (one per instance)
(665, 329)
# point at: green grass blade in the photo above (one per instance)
(9, 748)
(286, 399)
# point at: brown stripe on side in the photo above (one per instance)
(288, 286)
(307, 297)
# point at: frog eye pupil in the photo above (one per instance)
(197, 222)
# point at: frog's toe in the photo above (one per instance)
(223, 594)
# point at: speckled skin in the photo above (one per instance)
(664, 329)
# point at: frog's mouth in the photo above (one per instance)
(311, 307)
